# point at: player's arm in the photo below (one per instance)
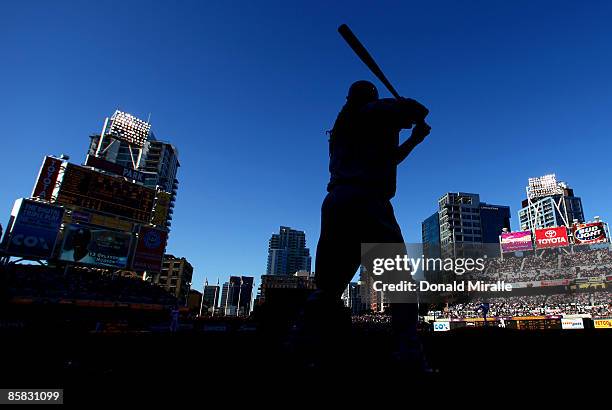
(419, 132)
(411, 113)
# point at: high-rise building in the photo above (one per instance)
(210, 297)
(371, 299)
(161, 165)
(549, 203)
(287, 252)
(430, 232)
(352, 298)
(465, 225)
(194, 301)
(128, 142)
(236, 296)
(175, 277)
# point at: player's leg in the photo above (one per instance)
(324, 318)
(404, 310)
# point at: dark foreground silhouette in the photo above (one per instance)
(151, 366)
(364, 151)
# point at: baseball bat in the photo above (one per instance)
(365, 56)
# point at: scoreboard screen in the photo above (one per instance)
(93, 190)
(534, 324)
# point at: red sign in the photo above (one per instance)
(551, 237)
(556, 282)
(589, 233)
(47, 177)
(150, 249)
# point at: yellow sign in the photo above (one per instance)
(78, 215)
(160, 208)
(602, 323)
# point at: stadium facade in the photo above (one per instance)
(109, 215)
(155, 162)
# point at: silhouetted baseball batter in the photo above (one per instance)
(364, 150)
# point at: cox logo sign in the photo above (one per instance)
(30, 241)
(441, 326)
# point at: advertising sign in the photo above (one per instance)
(34, 229)
(86, 188)
(160, 209)
(441, 326)
(555, 282)
(551, 237)
(80, 216)
(117, 169)
(95, 246)
(516, 241)
(572, 323)
(47, 178)
(602, 323)
(150, 249)
(589, 233)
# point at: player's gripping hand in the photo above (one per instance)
(419, 132)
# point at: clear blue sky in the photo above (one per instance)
(246, 90)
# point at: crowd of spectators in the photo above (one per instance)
(81, 284)
(597, 304)
(508, 264)
(549, 265)
(372, 321)
(597, 271)
(547, 260)
(555, 274)
(592, 257)
(512, 277)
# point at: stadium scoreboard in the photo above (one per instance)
(533, 324)
(93, 190)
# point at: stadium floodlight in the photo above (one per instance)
(126, 127)
(543, 186)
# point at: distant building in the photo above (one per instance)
(372, 300)
(300, 280)
(236, 296)
(161, 164)
(211, 296)
(465, 225)
(175, 277)
(352, 298)
(194, 301)
(287, 253)
(549, 203)
(430, 231)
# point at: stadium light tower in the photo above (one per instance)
(124, 127)
(542, 187)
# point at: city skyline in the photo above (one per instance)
(481, 120)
